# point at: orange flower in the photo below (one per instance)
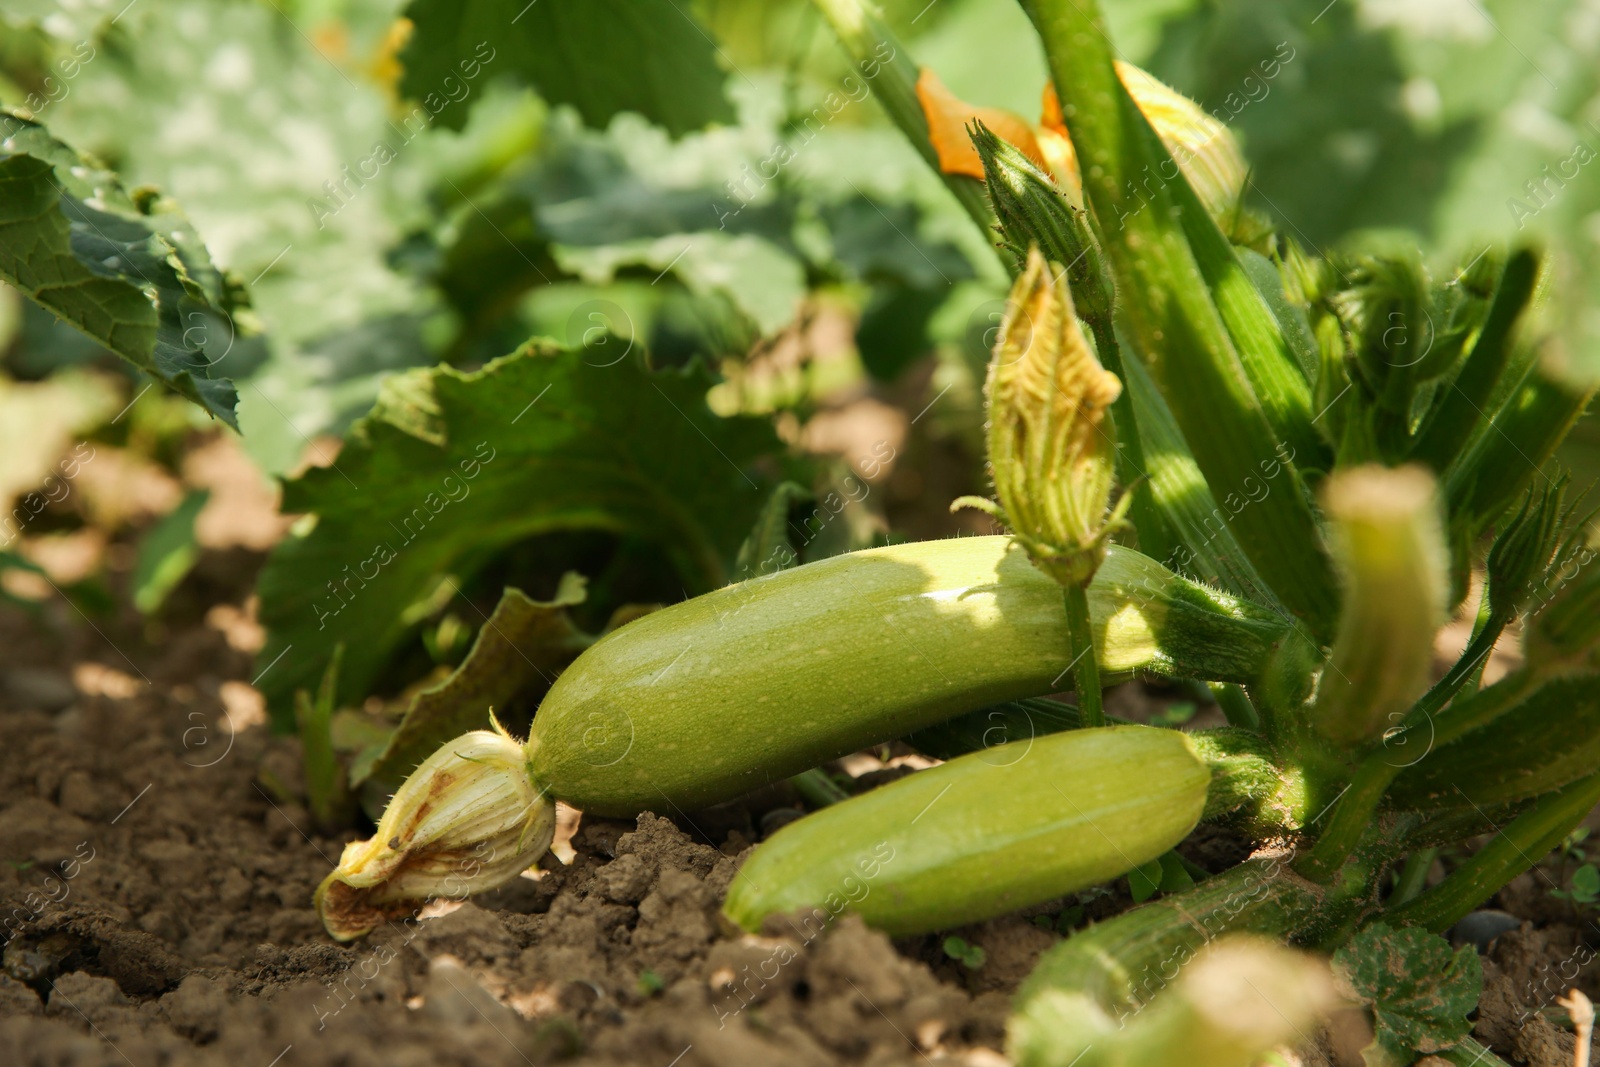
(1203, 148)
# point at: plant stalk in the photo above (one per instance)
(818, 788)
(1170, 313)
(1351, 817)
(1413, 876)
(1080, 642)
(872, 46)
(1125, 961)
(1511, 448)
(1518, 846)
(1460, 413)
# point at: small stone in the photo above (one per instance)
(454, 997)
(1481, 927)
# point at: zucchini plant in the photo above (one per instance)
(1315, 455)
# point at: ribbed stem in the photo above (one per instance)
(1080, 643)
(1122, 962)
(1471, 1054)
(1169, 310)
(1352, 815)
(1413, 876)
(818, 788)
(1460, 413)
(1518, 846)
(1509, 449)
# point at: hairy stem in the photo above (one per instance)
(1085, 671)
(1413, 876)
(1518, 846)
(1352, 815)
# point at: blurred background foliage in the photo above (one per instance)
(841, 288)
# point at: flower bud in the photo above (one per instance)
(1388, 541)
(467, 820)
(1051, 444)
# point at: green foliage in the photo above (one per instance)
(1583, 884)
(451, 467)
(167, 553)
(965, 953)
(327, 783)
(601, 56)
(1420, 992)
(521, 647)
(126, 269)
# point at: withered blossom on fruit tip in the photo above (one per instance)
(467, 819)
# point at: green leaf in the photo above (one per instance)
(600, 56)
(327, 786)
(167, 553)
(1143, 882)
(1420, 991)
(523, 645)
(452, 467)
(770, 548)
(126, 270)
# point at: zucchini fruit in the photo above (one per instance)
(976, 837)
(718, 695)
(708, 699)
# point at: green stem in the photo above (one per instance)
(1461, 411)
(1471, 1054)
(1122, 962)
(873, 47)
(1235, 704)
(1413, 876)
(1080, 643)
(1463, 670)
(818, 788)
(1511, 448)
(1520, 844)
(1480, 708)
(1169, 310)
(1352, 815)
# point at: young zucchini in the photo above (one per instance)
(710, 698)
(982, 835)
(718, 695)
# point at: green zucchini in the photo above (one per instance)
(713, 697)
(710, 698)
(982, 835)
